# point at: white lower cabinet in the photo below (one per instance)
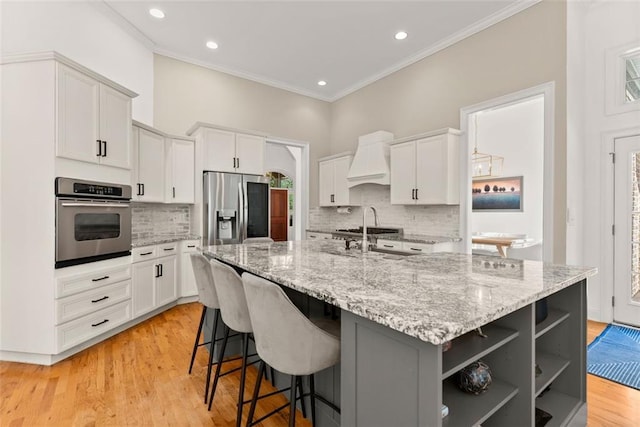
(90, 301)
(411, 247)
(154, 280)
(188, 286)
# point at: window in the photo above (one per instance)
(632, 81)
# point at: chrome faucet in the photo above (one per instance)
(365, 243)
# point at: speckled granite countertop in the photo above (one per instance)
(156, 240)
(317, 230)
(420, 238)
(434, 297)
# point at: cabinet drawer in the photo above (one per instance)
(189, 246)
(80, 330)
(424, 248)
(168, 249)
(71, 285)
(78, 305)
(389, 244)
(144, 253)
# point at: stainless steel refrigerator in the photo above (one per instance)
(236, 207)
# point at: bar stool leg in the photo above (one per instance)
(312, 387)
(301, 394)
(195, 344)
(292, 405)
(273, 376)
(256, 393)
(219, 365)
(211, 351)
(243, 372)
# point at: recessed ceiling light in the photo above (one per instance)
(401, 35)
(156, 13)
(322, 83)
(212, 45)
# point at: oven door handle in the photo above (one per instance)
(95, 205)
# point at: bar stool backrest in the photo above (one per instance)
(204, 280)
(233, 304)
(285, 338)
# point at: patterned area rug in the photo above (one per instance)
(615, 355)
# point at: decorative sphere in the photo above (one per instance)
(475, 378)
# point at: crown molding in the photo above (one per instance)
(115, 17)
(476, 27)
(244, 75)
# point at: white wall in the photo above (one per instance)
(279, 159)
(80, 31)
(515, 132)
(607, 25)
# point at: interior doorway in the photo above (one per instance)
(626, 292)
(288, 165)
(540, 203)
(282, 206)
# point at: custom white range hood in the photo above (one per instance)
(371, 162)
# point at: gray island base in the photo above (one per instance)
(397, 312)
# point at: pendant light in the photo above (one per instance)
(484, 165)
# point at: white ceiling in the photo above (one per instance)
(293, 44)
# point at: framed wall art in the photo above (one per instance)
(502, 194)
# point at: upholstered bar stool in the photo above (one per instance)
(288, 341)
(209, 299)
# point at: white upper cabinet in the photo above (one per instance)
(250, 154)
(93, 120)
(425, 171)
(115, 126)
(403, 173)
(219, 150)
(332, 180)
(149, 169)
(180, 171)
(227, 151)
(164, 168)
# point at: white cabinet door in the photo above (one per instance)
(219, 150)
(431, 170)
(250, 154)
(403, 173)
(166, 290)
(78, 116)
(143, 292)
(188, 285)
(325, 182)
(115, 128)
(437, 177)
(340, 183)
(181, 171)
(150, 170)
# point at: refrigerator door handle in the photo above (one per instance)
(241, 212)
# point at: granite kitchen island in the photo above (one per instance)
(396, 313)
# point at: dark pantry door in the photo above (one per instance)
(279, 214)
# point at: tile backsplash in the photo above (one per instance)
(435, 220)
(156, 219)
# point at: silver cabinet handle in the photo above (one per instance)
(96, 205)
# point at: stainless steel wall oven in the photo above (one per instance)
(93, 221)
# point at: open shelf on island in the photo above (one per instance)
(554, 318)
(551, 366)
(559, 405)
(467, 409)
(471, 346)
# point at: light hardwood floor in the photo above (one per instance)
(139, 377)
